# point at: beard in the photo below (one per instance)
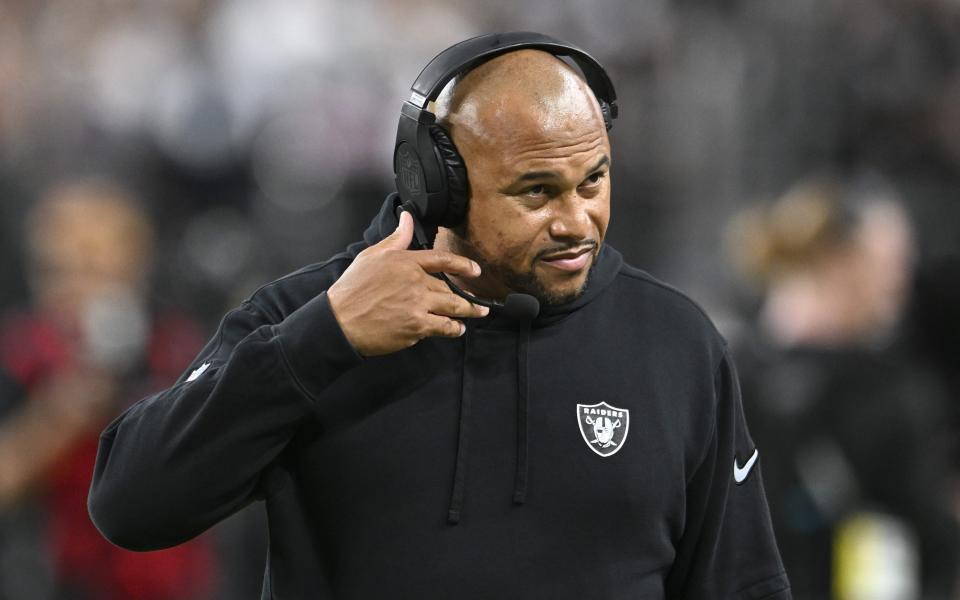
(526, 281)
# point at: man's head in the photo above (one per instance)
(533, 139)
(835, 259)
(85, 238)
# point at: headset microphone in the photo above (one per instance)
(521, 307)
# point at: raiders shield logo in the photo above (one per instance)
(408, 169)
(603, 427)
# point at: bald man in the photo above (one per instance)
(410, 444)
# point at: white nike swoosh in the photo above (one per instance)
(740, 473)
(198, 371)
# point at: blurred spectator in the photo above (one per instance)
(68, 363)
(850, 426)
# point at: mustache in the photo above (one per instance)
(561, 248)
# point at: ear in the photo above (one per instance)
(455, 171)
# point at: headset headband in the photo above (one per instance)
(465, 55)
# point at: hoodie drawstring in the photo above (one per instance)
(523, 423)
(463, 437)
(463, 433)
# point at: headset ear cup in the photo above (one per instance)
(455, 170)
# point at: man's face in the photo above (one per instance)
(539, 205)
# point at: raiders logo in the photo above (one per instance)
(409, 173)
(603, 427)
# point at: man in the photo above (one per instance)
(411, 444)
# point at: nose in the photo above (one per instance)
(571, 219)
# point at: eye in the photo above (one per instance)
(535, 190)
(594, 179)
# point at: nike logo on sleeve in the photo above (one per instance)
(198, 371)
(740, 473)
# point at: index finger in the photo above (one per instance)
(441, 261)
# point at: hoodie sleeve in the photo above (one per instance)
(178, 462)
(728, 549)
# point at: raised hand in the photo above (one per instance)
(387, 299)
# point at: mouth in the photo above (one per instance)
(569, 260)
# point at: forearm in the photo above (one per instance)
(30, 443)
(68, 405)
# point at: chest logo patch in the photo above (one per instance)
(603, 427)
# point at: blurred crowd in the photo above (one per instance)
(794, 166)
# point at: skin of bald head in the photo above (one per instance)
(533, 140)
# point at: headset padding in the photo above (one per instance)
(455, 170)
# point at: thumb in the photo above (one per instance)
(402, 236)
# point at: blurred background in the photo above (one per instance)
(793, 166)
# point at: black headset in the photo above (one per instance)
(430, 174)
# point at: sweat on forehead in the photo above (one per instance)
(525, 88)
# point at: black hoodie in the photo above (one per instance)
(589, 453)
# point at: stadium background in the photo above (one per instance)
(258, 138)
